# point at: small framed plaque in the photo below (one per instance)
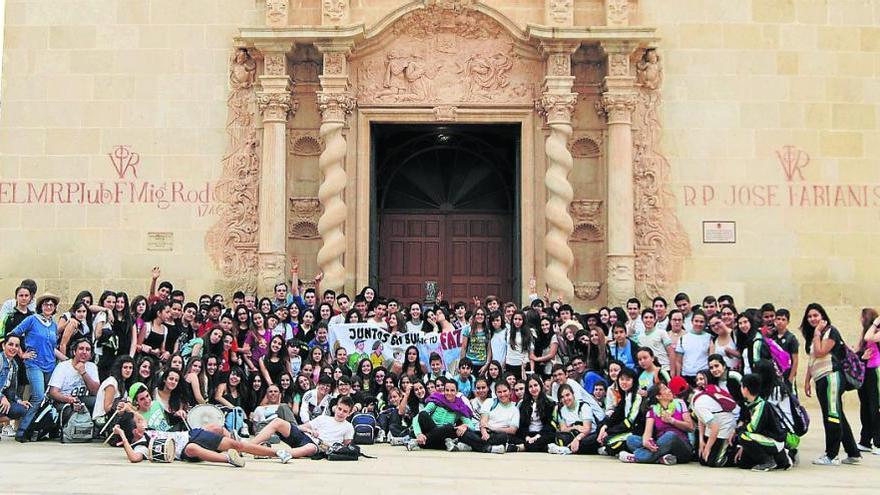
(160, 241)
(719, 232)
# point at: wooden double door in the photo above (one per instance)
(467, 254)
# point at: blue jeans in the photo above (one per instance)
(16, 411)
(39, 380)
(668, 443)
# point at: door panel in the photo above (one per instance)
(467, 254)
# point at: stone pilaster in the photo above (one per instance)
(276, 104)
(335, 103)
(557, 106)
(617, 104)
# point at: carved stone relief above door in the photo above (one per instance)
(440, 56)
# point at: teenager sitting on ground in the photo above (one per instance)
(499, 420)
(575, 425)
(446, 415)
(304, 440)
(211, 443)
(760, 439)
(667, 425)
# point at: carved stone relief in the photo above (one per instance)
(302, 218)
(588, 216)
(560, 64)
(649, 72)
(441, 55)
(560, 12)
(587, 291)
(618, 65)
(586, 144)
(661, 242)
(276, 13)
(233, 240)
(304, 143)
(616, 12)
(334, 63)
(334, 10)
(445, 113)
(275, 64)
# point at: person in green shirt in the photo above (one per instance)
(446, 415)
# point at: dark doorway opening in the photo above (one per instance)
(445, 210)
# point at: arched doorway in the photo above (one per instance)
(445, 201)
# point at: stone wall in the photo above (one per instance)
(111, 135)
(775, 103)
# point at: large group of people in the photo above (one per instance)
(705, 383)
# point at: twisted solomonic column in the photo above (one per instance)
(334, 107)
(557, 109)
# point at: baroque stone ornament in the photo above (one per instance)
(302, 218)
(649, 72)
(445, 55)
(334, 63)
(587, 291)
(276, 13)
(585, 147)
(334, 107)
(589, 224)
(560, 12)
(661, 243)
(557, 107)
(304, 143)
(617, 12)
(618, 65)
(620, 272)
(334, 10)
(275, 64)
(560, 64)
(276, 106)
(233, 240)
(617, 107)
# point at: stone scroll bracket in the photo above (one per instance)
(336, 103)
(556, 106)
(276, 105)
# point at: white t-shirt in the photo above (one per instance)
(694, 349)
(580, 414)
(102, 391)
(310, 408)
(708, 411)
(68, 381)
(501, 416)
(265, 413)
(99, 322)
(499, 345)
(331, 431)
(657, 340)
(582, 396)
(516, 355)
(181, 438)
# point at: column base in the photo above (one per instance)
(621, 279)
(272, 271)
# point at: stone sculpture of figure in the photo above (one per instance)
(486, 73)
(405, 78)
(244, 69)
(649, 72)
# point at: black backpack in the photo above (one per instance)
(45, 423)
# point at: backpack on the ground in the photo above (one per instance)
(45, 422)
(721, 396)
(853, 369)
(801, 420)
(339, 452)
(781, 358)
(364, 428)
(79, 427)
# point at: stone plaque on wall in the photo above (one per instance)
(719, 232)
(160, 241)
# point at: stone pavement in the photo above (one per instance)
(48, 467)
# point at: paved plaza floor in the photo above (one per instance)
(48, 467)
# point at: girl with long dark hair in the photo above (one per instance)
(520, 344)
(825, 346)
(114, 386)
(627, 416)
(275, 362)
(869, 393)
(535, 419)
(725, 378)
(412, 364)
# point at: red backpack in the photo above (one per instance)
(719, 395)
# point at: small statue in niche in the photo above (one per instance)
(649, 72)
(244, 69)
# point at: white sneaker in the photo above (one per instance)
(876, 451)
(8, 431)
(234, 457)
(284, 456)
(625, 456)
(497, 449)
(825, 461)
(602, 451)
(244, 432)
(558, 449)
(852, 460)
(397, 441)
(380, 436)
(863, 448)
(412, 445)
(450, 444)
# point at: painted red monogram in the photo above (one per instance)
(123, 160)
(793, 160)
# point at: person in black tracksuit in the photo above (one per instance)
(760, 440)
(535, 419)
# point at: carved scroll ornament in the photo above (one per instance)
(587, 291)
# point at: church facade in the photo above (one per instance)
(602, 148)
